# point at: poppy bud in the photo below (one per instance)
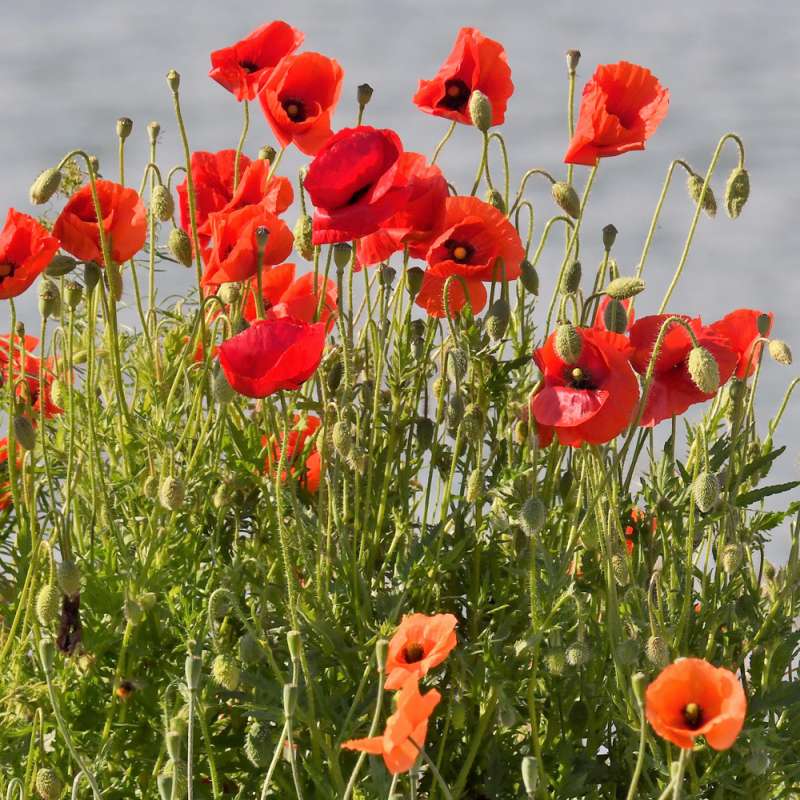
(69, 578)
(250, 651)
(180, 245)
(495, 199)
(480, 111)
(529, 277)
(532, 515)
(732, 556)
(153, 130)
(343, 438)
(342, 253)
(474, 486)
(364, 94)
(150, 487)
(172, 493)
(302, 237)
(49, 299)
(162, 204)
(737, 190)
(58, 392)
(289, 699)
(60, 265)
(225, 672)
(780, 352)
(639, 681)
(457, 363)
(192, 669)
(705, 491)
(222, 391)
(615, 317)
(497, 319)
(703, 370)
(173, 80)
(91, 275)
(554, 660)
(530, 773)
(573, 57)
(45, 186)
(24, 432)
(472, 421)
(566, 198)
(695, 186)
(414, 278)
(568, 343)
(48, 601)
(73, 294)
(48, 786)
(219, 604)
(124, 127)
(381, 653)
(619, 568)
(455, 410)
(256, 744)
(571, 280)
(624, 288)
(425, 431)
(609, 237)
(657, 651)
(577, 654)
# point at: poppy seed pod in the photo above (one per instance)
(694, 184)
(571, 279)
(73, 294)
(48, 786)
(480, 111)
(256, 744)
(414, 278)
(225, 672)
(566, 198)
(49, 299)
(780, 352)
(568, 343)
(472, 421)
(764, 324)
(173, 80)
(180, 245)
(342, 253)
(657, 651)
(24, 432)
(60, 265)
(162, 203)
(532, 515)
(172, 493)
(289, 699)
(615, 317)
(364, 94)
(530, 776)
(495, 199)
(386, 276)
(737, 190)
(124, 127)
(69, 578)
(302, 237)
(529, 277)
(497, 319)
(48, 601)
(573, 57)
(703, 370)
(705, 491)
(624, 288)
(153, 130)
(609, 236)
(294, 642)
(45, 186)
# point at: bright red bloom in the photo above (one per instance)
(419, 644)
(431, 295)
(272, 354)
(300, 437)
(621, 107)
(415, 224)
(355, 184)
(672, 390)
(27, 366)
(476, 241)
(299, 98)
(405, 730)
(475, 63)
(6, 498)
(740, 328)
(124, 223)
(234, 252)
(242, 67)
(590, 401)
(26, 248)
(599, 319)
(693, 698)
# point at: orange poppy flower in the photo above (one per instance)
(303, 432)
(475, 63)
(26, 248)
(124, 223)
(405, 730)
(621, 107)
(419, 644)
(693, 698)
(740, 328)
(6, 498)
(25, 371)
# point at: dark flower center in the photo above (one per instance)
(693, 715)
(295, 109)
(7, 270)
(460, 252)
(358, 194)
(456, 95)
(579, 379)
(413, 652)
(249, 66)
(628, 117)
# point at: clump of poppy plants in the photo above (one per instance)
(407, 498)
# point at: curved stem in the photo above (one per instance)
(240, 146)
(443, 141)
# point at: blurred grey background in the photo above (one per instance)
(68, 70)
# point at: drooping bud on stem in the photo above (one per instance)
(615, 317)
(705, 491)
(45, 186)
(180, 245)
(566, 198)
(60, 265)
(302, 237)
(497, 319)
(172, 493)
(737, 190)
(162, 203)
(24, 432)
(571, 280)
(624, 288)
(48, 786)
(267, 153)
(529, 277)
(780, 352)
(532, 515)
(480, 111)
(414, 278)
(703, 370)
(695, 186)
(69, 578)
(495, 199)
(225, 671)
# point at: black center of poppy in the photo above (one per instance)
(693, 715)
(578, 378)
(460, 252)
(358, 194)
(295, 109)
(456, 95)
(413, 652)
(7, 270)
(249, 66)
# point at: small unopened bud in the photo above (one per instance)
(457, 363)
(295, 644)
(703, 370)
(571, 280)
(91, 275)
(615, 317)
(364, 94)
(69, 578)
(173, 80)
(520, 431)
(73, 294)
(289, 699)
(48, 786)
(225, 671)
(250, 650)
(153, 131)
(48, 601)
(24, 432)
(124, 127)
(219, 604)
(49, 299)
(530, 773)
(256, 744)
(480, 111)
(193, 667)
(474, 487)
(619, 568)
(497, 319)
(343, 438)
(414, 278)
(302, 237)
(172, 493)
(425, 431)
(60, 265)
(609, 237)
(495, 199)
(180, 245)
(566, 198)
(342, 253)
(162, 203)
(568, 343)
(705, 491)
(657, 651)
(639, 681)
(230, 293)
(532, 515)
(624, 288)
(737, 190)
(780, 352)
(695, 186)
(529, 277)
(267, 153)
(577, 654)
(573, 57)
(555, 661)
(381, 653)
(472, 421)
(45, 186)
(732, 557)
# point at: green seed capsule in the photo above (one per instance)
(172, 493)
(706, 491)
(48, 603)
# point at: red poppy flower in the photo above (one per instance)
(591, 400)
(693, 698)
(272, 354)
(621, 107)
(234, 252)
(26, 248)
(475, 63)
(242, 67)
(415, 224)
(431, 295)
(740, 328)
(405, 730)
(419, 644)
(672, 390)
(355, 183)
(299, 98)
(599, 318)
(6, 498)
(476, 241)
(27, 366)
(637, 524)
(301, 436)
(124, 223)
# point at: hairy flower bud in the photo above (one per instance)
(48, 602)
(571, 279)
(732, 557)
(225, 672)
(737, 190)
(455, 410)
(703, 370)
(222, 391)
(554, 660)
(219, 604)
(619, 568)
(657, 651)
(172, 493)
(124, 127)
(250, 650)
(568, 343)
(532, 515)
(705, 491)
(578, 654)
(267, 153)
(45, 186)
(624, 288)
(497, 319)
(24, 432)
(162, 204)
(256, 744)
(180, 245)
(472, 421)
(364, 94)
(48, 786)
(695, 186)
(529, 277)
(60, 265)
(566, 198)
(474, 485)
(495, 199)
(609, 237)
(49, 299)
(780, 352)
(615, 317)
(343, 439)
(69, 578)
(480, 111)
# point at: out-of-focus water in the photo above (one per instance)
(68, 70)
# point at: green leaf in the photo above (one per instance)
(748, 498)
